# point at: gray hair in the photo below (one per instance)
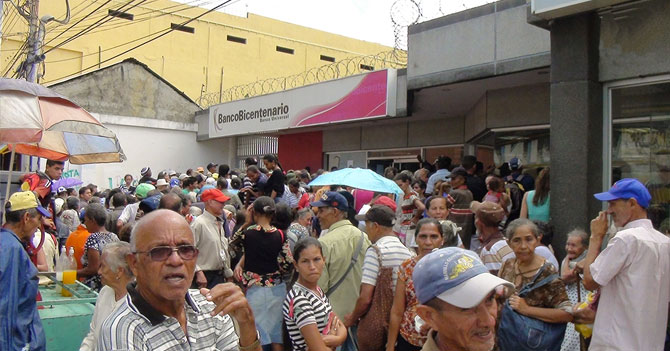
(304, 212)
(521, 222)
(116, 256)
(97, 213)
(581, 234)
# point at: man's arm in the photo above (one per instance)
(362, 305)
(598, 231)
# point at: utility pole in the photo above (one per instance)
(30, 66)
(2, 3)
(33, 42)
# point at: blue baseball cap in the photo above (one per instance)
(455, 276)
(627, 188)
(332, 199)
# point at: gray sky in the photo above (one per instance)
(368, 20)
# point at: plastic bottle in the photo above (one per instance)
(60, 267)
(70, 271)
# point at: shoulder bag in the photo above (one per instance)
(517, 332)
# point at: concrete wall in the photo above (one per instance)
(128, 89)
(435, 132)
(484, 41)
(511, 107)
(157, 144)
(636, 46)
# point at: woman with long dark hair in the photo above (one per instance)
(274, 188)
(265, 256)
(309, 317)
(535, 204)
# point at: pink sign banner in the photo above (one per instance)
(370, 95)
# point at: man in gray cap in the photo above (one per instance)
(456, 296)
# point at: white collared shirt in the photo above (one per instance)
(634, 275)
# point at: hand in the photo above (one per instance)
(200, 279)
(579, 267)
(229, 299)
(335, 325)
(518, 303)
(348, 320)
(583, 315)
(237, 273)
(599, 226)
(423, 330)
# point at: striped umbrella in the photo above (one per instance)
(39, 122)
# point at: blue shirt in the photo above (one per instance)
(440, 174)
(20, 324)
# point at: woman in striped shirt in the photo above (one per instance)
(310, 320)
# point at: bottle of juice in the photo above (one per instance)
(70, 272)
(60, 267)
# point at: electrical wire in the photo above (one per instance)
(123, 44)
(90, 27)
(185, 6)
(146, 42)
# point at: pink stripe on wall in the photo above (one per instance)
(367, 99)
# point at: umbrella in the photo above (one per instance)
(65, 183)
(39, 122)
(358, 178)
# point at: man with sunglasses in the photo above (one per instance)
(160, 312)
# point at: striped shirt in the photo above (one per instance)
(302, 307)
(499, 253)
(136, 325)
(394, 253)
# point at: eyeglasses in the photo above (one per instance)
(162, 253)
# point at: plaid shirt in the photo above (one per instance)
(136, 326)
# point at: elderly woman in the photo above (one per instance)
(548, 303)
(575, 249)
(115, 275)
(402, 330)
(94, 220)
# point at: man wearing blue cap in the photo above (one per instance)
(456, 295)
(344, 250)
(633, 273)
(21, 326)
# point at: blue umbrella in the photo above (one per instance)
(358, 178)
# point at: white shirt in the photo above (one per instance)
(104, 306)
(393, 252)
(548, 255)
(634, 275)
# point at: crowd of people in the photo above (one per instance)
(251, 259)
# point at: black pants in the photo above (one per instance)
(404, 345)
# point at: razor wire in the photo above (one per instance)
(404, 13)
(340, 69)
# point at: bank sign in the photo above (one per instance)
(370, 95)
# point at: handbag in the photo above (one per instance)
(373, 326)
(517, 332)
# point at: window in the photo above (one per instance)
(327, 58)
(367, 67)
(285, 50)
(639, 143)
(236, 39)
(120, 14)
(182, 28)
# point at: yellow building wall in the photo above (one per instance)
(191, 62)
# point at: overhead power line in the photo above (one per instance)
(147, 41)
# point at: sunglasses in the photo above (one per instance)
(161, 253)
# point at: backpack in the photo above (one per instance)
(515, 191)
